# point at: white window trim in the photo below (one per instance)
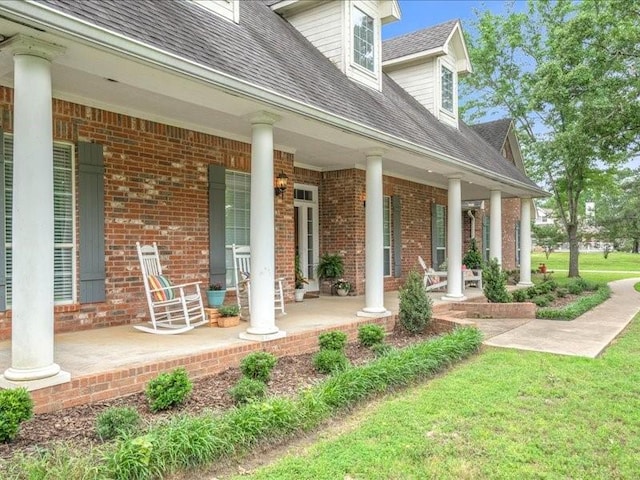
(73, 244)
(230, 12)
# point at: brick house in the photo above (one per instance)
(169, 122)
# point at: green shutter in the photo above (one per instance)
(397, 236)
(3, 273)
(91, 209)
(217, 260)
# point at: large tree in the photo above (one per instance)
(569, 74)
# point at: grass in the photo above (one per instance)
(617, 261)
(637, 287)
(502, 415)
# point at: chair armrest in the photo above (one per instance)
(182, 285)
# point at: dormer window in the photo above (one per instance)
(363, 40)
(447, 89)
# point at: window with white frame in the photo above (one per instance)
(237, 208)
(363, 40)
(447, 89)
(386, 232)
(440, 254)
(64, 221)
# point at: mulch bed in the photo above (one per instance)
(77, 424)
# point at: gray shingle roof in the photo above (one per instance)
(415, 42)
(265, 50)
(494, 132)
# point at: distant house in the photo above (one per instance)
(169, 121)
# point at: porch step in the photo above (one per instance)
(457, 314)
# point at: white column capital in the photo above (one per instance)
(375, 152)
(24, 45)
(455, 176)
(263, 118)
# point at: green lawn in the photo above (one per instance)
(617, 261)
(503, 414)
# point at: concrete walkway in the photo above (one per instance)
(586, 336)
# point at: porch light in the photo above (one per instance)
(281, 183)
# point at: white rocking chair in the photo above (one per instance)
(432, 280)
(173, 308)
(242, 277)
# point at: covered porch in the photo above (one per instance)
(116, 361)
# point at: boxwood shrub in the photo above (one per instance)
(16, 406)
(168, 390)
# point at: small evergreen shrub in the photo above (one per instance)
(370, 335)
(541, 301)
(168, 390)
(117, 421)
(16, 406)
(258, 365)
(335, 340)
(472, 259)
(248, 390)
(330, 361)
(415, 304)
(494, 281)
(520, 295)
(575, 288)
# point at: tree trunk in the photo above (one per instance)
(574, 251)
(636, 245)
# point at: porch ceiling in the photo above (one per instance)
(107, 80)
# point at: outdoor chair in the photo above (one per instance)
(432, 279)
(242, 281)
(173, 308)
(472, 275)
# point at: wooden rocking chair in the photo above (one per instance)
(242, 281)
(173, 308)
(432, 280)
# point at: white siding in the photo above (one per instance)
(418, 81)
(229, 9)
(322, 26)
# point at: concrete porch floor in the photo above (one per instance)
(90, 355)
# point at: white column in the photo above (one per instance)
(263, 324)
(374, 241)
(495, 226)
(525, 242)
(454, 241)
(32, 322)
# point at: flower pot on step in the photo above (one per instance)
(215, 298)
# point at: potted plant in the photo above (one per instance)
(330, 267)
(215, 295)
(229, 316)
(300, 281)
(342, 287)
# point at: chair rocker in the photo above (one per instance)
(432, 280)
(173, 309)
(242, 281)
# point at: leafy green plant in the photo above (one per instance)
(575, 288)
(520, 295)
(16, 406)
(472, 259)
(168, 390)
(330, 361)
(561, 292)
(381, 349)
(330, 266)
(541, 300)
(228, 310)
(300, 279)
(494, 282)
(370, 335)
(117, 421)
(415, 305)
(577, 308)
(248, 390)
(258, 365)
(334, 340)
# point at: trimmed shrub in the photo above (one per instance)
(494, 281)
(576, 308)
(330, 361)
(472, 259)
(575, 288)
(117, 421)
(168, 390)
(258, 365)
(541, 300)
(370, 335)
(520, 295)
(247, 390)
(335, 340)
(16, 406)
(415, 304)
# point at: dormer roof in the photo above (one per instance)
(495, 133)
(433, 41)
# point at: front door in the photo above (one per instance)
(305, 202)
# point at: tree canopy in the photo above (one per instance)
(568, 73)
